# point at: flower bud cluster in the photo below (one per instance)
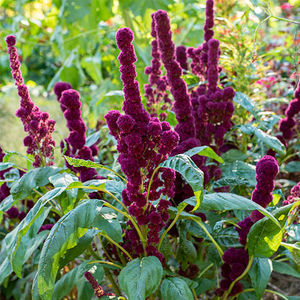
(143, 143)
(98, 290)
(70, 104)
(39, 140)
(287, 124)
(295, 193)
(182, 102)
(236, 260)
(156, 90)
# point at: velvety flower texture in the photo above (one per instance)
(75, 143)
(294, 195)
(236, 260)
(288, 124)
(182, 103)
(143, 143)
(156, 90)
(98, 290)
(39, 141)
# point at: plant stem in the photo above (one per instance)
(112, 281)
(206, 269)
(239, 278)
(171, 225)
(116, 244)
(104, 262)
(194, 294)
(200, 223)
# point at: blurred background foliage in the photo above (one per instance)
(74, 41)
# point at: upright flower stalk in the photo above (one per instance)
(75, 143)
(236, 260)
(143, 143)
(156, 90)
(36, 123)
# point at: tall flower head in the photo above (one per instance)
(143, 142)
(39, 140)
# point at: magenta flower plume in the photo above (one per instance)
(182, 106)
(75, 142)
(39, 140)
(294, 195)
(143, 143)
(181, 57)
(156, 90)
(287, 124)
(236, 260)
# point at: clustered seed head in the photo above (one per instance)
(156, 90)
(287, 125)
(236, 260)
(143, 143)
(98, 290)
(36, 123)
(75, 143)
(182, 103)
(295, 194)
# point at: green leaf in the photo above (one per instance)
(267, 139)
(23, 240)
(92, 65)
(66, 283)
(5, 267)
(245, 102)
(285, 268)
(233, 155)
(184, 165)
(293, 166)
(174, 288)
(204, 151)
(5, 166)
(63, 236)
(141, 277)
(294, 232)
(295, 251)
(264, 237)
(240, 170)
(81, 245)
(92, 139)
(230, 181)
(34, 179)
(260, 273)
(228, 237)
(229, 201)
(77, 162)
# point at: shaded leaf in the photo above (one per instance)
(174, 288)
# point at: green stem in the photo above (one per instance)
(194, 294)
(239, 278)
(170, 226)
(112, 281)
(116, 244)
(276, 293)
(200, 223)
(285, 20)
(104, 262)
(206, 269)
(150, 182)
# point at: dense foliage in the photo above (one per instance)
(191, 190)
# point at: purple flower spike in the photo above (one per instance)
(39, 141)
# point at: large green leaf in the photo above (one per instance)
(264, 237)
(229, 201)
(240, 170)
(92, 65)
(204, 151)
(174, 288)
(184, 165)
(245, 102)
(260, 273)
(285, 268)
(141, 277)
(233, 155)
(32, 180)
(227, 237)
(295, 251)
(63, 236)
(293, 166)
(5, 267)
(267, 139)
(23, 240)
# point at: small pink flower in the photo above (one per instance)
(286, 6)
